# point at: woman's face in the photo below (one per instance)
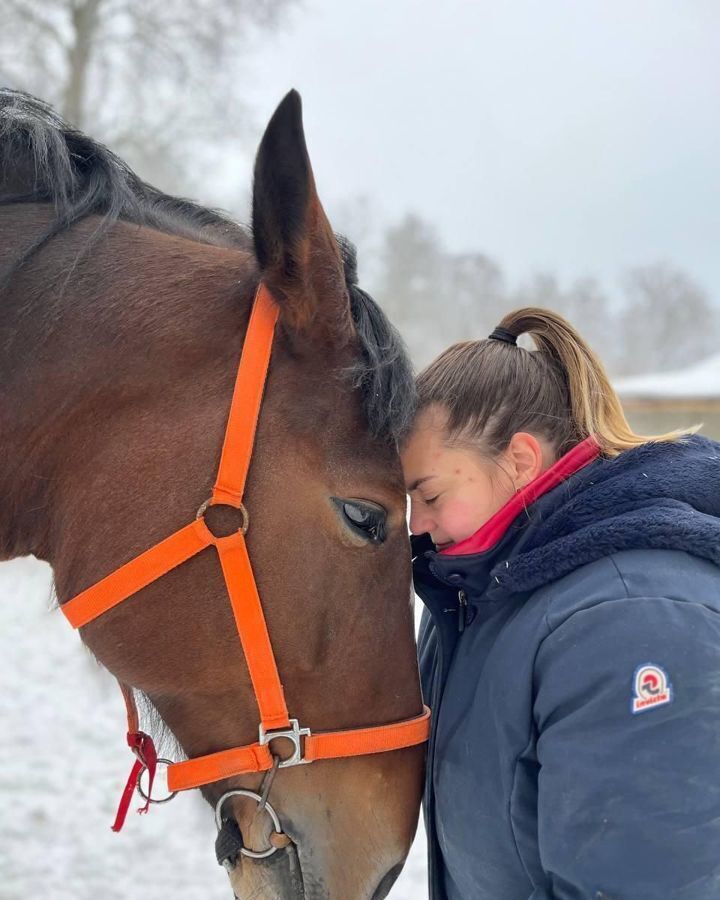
(453, 490)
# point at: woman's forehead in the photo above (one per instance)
(425, 441)
(426, 455)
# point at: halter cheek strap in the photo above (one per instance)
(246, 605)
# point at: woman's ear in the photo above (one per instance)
(526, 459)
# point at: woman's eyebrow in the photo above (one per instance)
(418, 481)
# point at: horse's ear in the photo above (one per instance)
(298, 255)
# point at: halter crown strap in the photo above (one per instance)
(244, 598)
(246, 401)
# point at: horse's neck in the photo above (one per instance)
(24, 400)
(128, 317)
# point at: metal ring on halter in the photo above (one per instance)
(244, 524)
(254, 854)
(138, 785)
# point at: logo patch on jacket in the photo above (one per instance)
(651, 687)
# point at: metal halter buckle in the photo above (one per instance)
(292, 734)
(253, 854)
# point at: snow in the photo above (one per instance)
(701, 380)
(63, 762)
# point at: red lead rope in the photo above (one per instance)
(143, 747)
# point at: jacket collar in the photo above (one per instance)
(469, 564)
(658, 495)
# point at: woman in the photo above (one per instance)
(570, 649)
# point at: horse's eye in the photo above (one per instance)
(365, 519)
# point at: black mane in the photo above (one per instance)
(45, 160)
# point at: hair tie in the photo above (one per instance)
(502, 334)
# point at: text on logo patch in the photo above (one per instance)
(651, 688)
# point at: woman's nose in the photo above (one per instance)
(420, 521)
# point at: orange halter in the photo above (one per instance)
(244, 598)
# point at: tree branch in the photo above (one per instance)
(38, 22)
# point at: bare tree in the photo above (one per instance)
(585, 305)
(474, 288)
(668, 322)
(436, 298)
(157, 80)
(357, 218)
(410, 285)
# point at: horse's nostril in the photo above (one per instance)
(383, 889)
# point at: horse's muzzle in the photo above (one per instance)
(277, 877)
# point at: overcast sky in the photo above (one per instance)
(580, 137)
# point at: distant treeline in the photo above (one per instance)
(660, 319)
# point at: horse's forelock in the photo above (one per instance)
(383, 372)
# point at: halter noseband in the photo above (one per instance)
(247, 608)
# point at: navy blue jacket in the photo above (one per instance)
(573, 668)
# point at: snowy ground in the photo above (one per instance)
(63, 762)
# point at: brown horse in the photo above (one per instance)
(122, 316)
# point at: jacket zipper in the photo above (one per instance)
(433, 848)
(434, 864)
(462, 610)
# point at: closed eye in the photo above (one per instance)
(367, 520)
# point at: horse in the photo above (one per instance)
(123, 312)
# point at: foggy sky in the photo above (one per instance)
(577, 137)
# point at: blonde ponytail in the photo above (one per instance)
(492, 389)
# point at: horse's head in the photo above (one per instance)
(123, 319)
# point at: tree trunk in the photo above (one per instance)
(85, 19)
